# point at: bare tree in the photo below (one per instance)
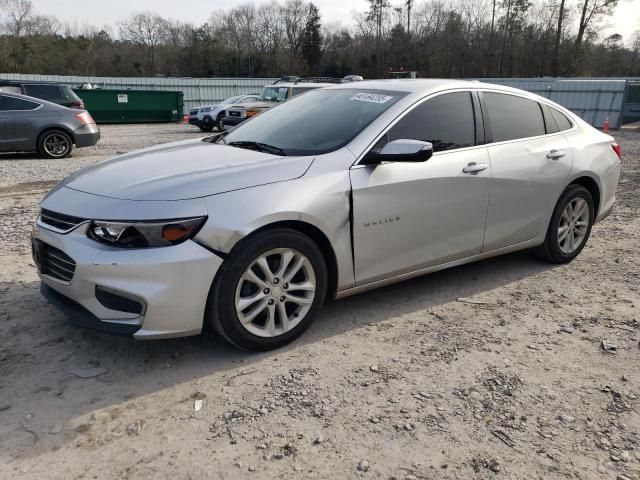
(294, 14)
(18, 14)
(147, 30)
(556, 45)
(592, 12)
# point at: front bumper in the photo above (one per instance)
(87, 135)
(195, 121)
(171, 282)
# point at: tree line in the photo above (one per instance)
(437, 38)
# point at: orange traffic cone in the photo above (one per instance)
(605, 127)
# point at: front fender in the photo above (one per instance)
(319, 200)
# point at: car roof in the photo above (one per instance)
(426, 85)
(301, 84)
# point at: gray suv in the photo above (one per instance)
(31, 124)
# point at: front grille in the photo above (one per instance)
(193, 112)
(59, 221)
(53, 262)
(234, 114)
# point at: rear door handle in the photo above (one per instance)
(474, 167)
(555, 154)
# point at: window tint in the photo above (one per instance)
(43, 91)
(317, 122)
(513, 117)
(298, 90)
(549, 121)
(69, 94)
(561, 119)
(12, 103)
(446, 121)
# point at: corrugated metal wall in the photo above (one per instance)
(197, 91)
(592, 99)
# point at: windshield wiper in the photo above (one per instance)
(260, 147)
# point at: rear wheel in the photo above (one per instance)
(54, 144)
(268, 291)
(570, 226)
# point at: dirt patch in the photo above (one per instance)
(489, 370)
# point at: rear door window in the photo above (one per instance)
(46, 92)
(512, 117)
(447, 121)
(13, 103)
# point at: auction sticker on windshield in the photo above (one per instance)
(371, 98)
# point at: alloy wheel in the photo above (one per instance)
(56, 145)
(574, 225)
(276, 292)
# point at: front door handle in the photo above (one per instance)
(474, 167)
(555, 154)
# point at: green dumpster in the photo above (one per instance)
(132, 106)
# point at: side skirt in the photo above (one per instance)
(423, 271)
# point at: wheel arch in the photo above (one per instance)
(316, 235)
(48, 128)
(594, 189)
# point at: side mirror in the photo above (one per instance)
(402, 150)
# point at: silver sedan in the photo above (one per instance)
(332, 193)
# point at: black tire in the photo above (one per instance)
(47, 141)
(219, 125)
(221, 310)
(207, 124)
(551, 250)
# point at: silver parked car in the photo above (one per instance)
(32, 124)
(334, 192)
(206, 117)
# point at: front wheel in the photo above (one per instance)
(207, 124)
(268, 290)
(54, 144)
(570, 226)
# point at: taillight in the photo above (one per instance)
(85, 117)
(78, 105)
(617, 149)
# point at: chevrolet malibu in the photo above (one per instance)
(335, 192)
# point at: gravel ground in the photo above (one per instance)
(28, 168)
(490, 370)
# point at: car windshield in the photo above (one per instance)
(317, 122)
(274, 94)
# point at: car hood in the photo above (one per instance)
(185, 170)
(251, 105)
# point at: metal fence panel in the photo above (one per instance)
(593, 99)
(197, 91)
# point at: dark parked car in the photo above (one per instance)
(32, 124)
(52, 92)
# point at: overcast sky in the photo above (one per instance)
(625, 21)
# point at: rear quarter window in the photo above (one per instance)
(512, 117)
(13, 103)
(561, 119)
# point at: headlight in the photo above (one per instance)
(205, 109)
(145, 234)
